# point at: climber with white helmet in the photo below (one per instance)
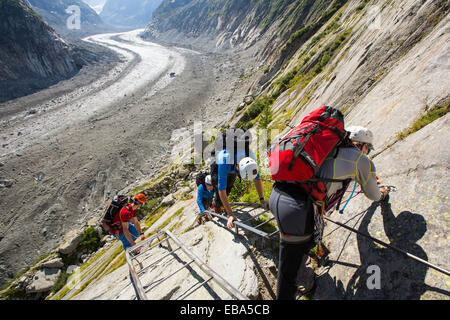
(247, 168)
(362, 138)
(226, 168)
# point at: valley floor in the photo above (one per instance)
(66, 149)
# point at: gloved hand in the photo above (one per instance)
(385, 196)
(231, 218)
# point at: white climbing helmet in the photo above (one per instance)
(248, 169)
(208, 180)
(361, 134)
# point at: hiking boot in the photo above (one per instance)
(306, 283)
(135, 252)
(207, 217)
(306, 278)
(199, 220)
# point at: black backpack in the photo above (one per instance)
(200, 179)
(112, 209)
(214, 169)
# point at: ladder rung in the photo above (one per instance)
(193, 289)
(275, 232)
(263, 223)
(140, 255)
(241, 225)
(155, 283)
(258, 215)
(149, 266)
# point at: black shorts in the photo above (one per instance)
(231, 178)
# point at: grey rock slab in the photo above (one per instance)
(72, 239)
(43, 281)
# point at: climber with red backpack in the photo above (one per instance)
(312, 167)
(120, 217)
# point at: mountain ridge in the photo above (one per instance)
(130, 14)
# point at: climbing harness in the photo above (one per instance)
(319, 211)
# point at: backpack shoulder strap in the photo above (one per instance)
(247, 147)
(336, 199)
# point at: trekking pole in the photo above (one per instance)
(349, 198)
(407, 254)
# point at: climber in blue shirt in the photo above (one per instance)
(227, 171)
(205, 195)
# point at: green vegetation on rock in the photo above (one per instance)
(255, 109)
(434, 113)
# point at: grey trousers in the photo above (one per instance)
(288, 204)
(295, 221)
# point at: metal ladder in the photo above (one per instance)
(243, 224)
(135, 264)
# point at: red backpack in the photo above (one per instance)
(298, 156)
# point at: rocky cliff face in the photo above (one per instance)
(32, 55)
(131, 13)
(379, 63)
(219, 25)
